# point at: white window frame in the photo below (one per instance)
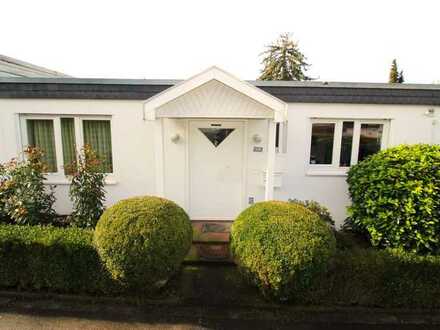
(59, 177)
(334, 168)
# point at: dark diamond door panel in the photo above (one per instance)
(216, 135)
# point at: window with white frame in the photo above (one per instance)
(281, 137)
(60, 137)
(341, 143)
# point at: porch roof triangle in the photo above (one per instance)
(214, 73)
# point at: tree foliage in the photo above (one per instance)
(284, 61)
(87, 189)
(396, 76)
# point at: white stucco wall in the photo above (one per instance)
(133, 147)
(407, 124)
(133, 153)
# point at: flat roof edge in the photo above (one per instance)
(257, 83)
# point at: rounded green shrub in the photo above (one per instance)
(281, 247)
(143, 241)
(396, 197)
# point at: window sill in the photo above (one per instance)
(66, 182)
(328, 172)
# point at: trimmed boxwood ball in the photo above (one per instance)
(396, 197)
(143, 241)
(281, 247)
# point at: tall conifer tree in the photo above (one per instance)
(395, 77)
(284, 61)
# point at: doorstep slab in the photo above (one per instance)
(210, 241)
(210, 231)
(212, 252)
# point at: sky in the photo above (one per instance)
(344, 40)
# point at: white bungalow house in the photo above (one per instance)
(213, 143)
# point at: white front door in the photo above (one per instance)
(215, 169)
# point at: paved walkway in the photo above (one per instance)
(209, 298)
(23, 313)
(20, 321)
(12, 321)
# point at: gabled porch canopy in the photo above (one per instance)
(215, 93)
(259, 104)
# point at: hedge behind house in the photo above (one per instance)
(53, 259)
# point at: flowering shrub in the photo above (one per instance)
(87, 189)
(24, 198)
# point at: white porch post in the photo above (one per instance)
(268, 195)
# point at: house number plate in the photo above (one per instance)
(258, 149)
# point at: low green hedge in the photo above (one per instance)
(53, 259)
(65, 261)
(381, 278)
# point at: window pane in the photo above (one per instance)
(68, 139)
(322, 143)
(370, 140)
(41, 135)
(277, 135)
(281, 137)
(97, 134)
(216, 135)
(346, 143)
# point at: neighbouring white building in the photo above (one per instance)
(213, 143)
(11, 67)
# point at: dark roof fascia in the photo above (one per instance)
(142, 89)
(80, 89)
(355, 95)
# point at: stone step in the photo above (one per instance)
(210, 241)
(211, 252)
(210, 231)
